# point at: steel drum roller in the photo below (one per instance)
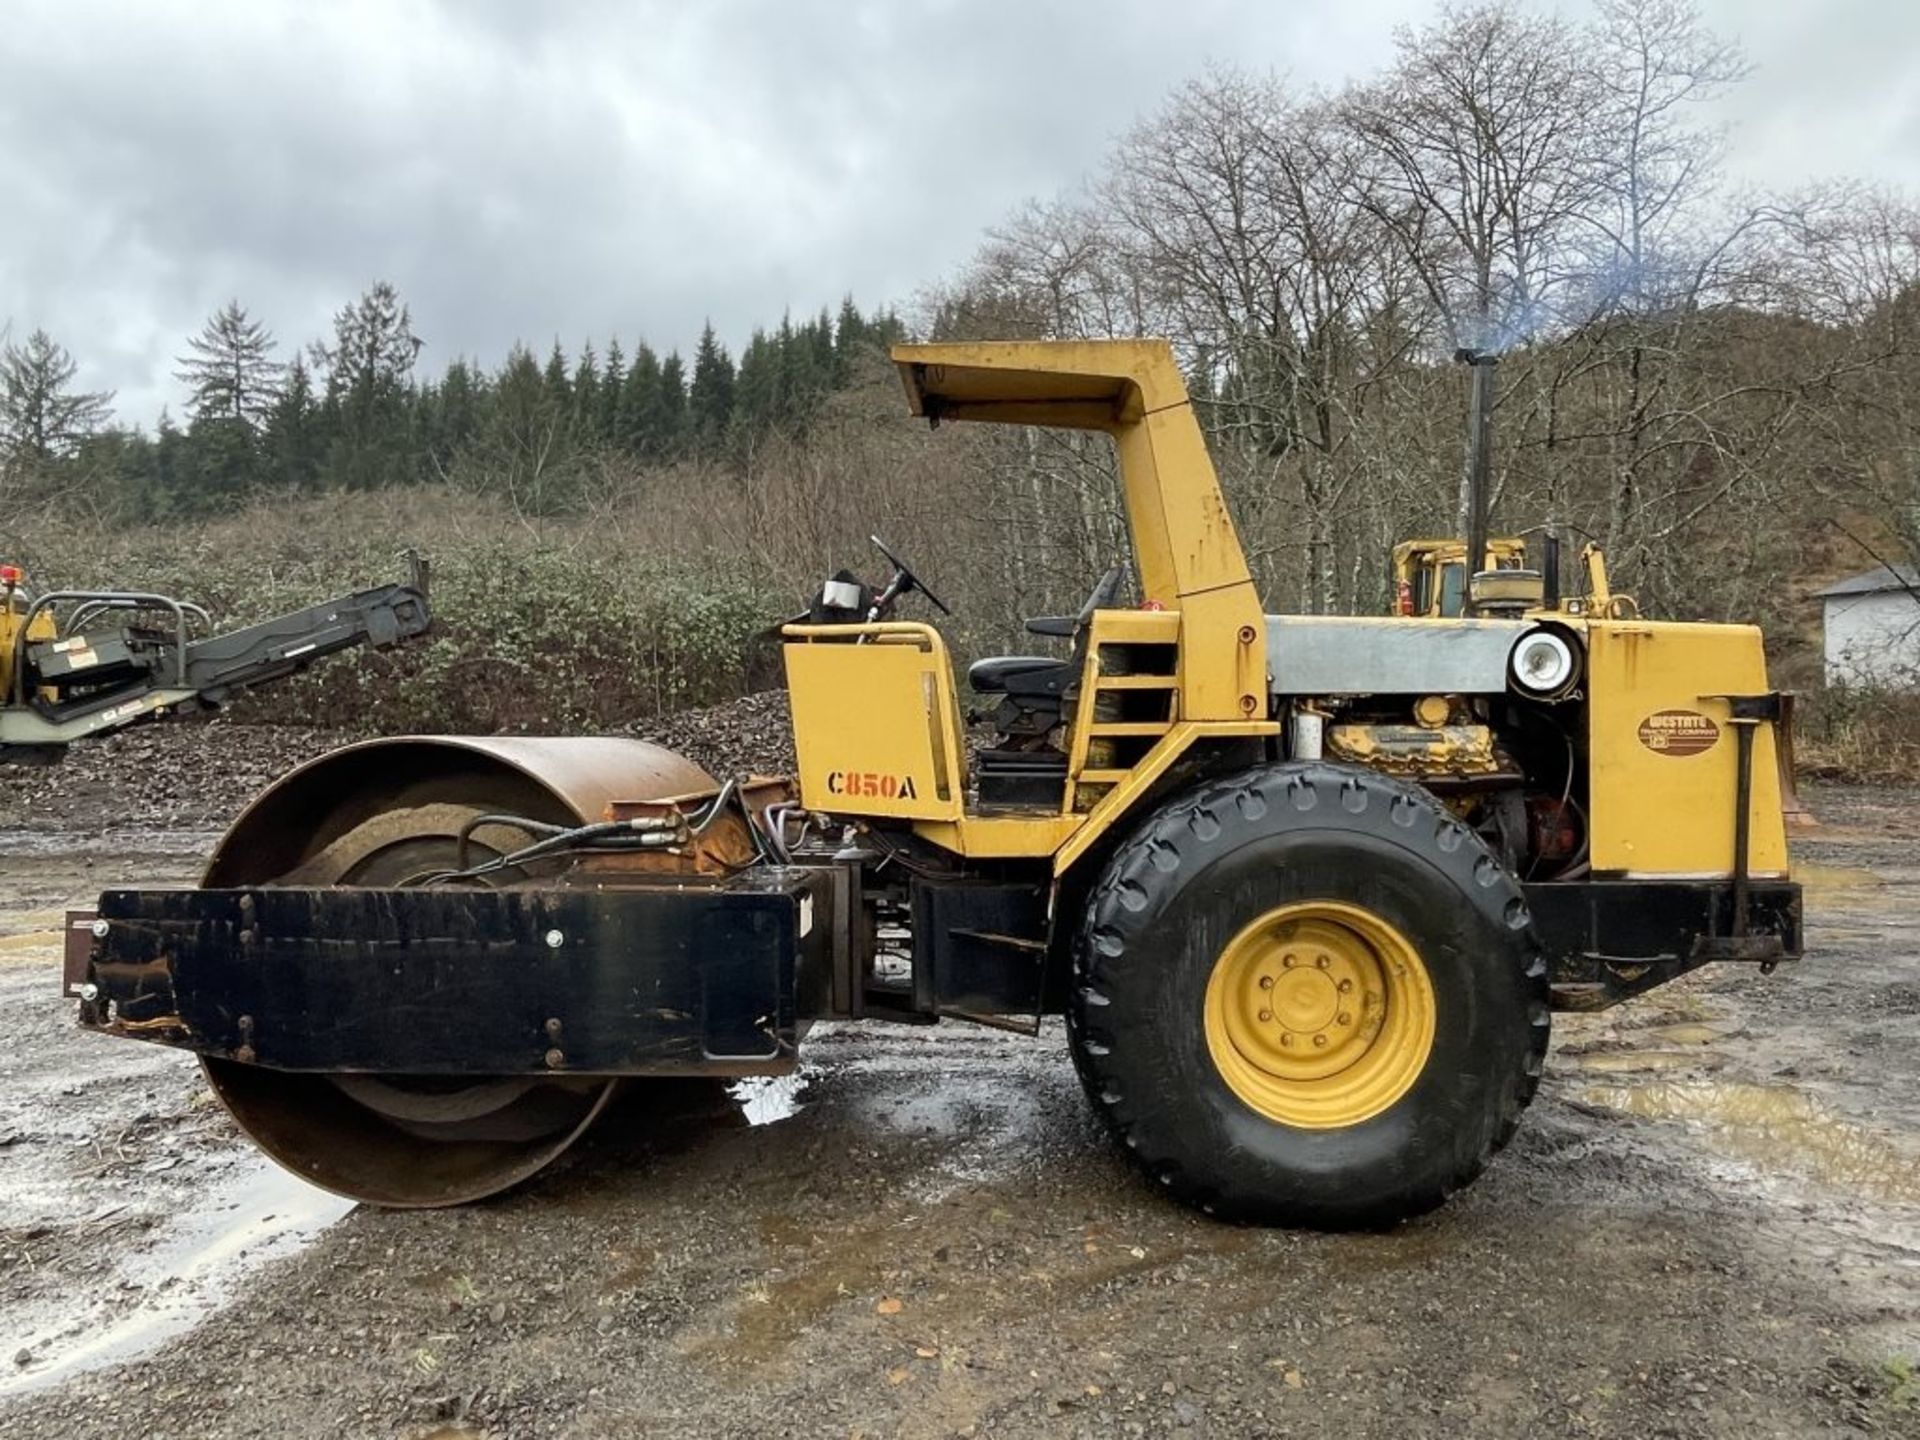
(387, 813)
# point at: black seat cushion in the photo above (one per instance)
(1028, 673)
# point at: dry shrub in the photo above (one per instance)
(1858, 734)
(559, 626)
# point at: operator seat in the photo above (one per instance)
(997, 674)
(1035, 687)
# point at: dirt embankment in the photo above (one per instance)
(1709, 1224)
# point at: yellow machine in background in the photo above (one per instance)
(79, 664)
(1430, 576)
(1305, 888)
(20, 624)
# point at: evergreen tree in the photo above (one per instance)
(800, 384)
(369, 370)
(558, 390)
(710, 397)
(849, 334)
(291, 442)
(671, 432)
(42, 417)
(458, 414)
(757, 392)
(822, 359)
(523, 451)
(230, 370)
(641, 430)
(215, 466)
(170, 467)
(612, 393)
(790, 357)
(134, 466)
(586, 396)
(886, 329)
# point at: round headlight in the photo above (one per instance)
(1542, 663)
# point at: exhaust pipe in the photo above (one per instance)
(1479, 463)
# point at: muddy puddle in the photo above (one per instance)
(1629, 1062)
(128, 1212)
(165, 1286)
(1775, 1128)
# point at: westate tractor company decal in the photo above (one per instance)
(1678, 732)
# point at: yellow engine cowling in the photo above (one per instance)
(1664, 752)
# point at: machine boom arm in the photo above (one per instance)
(102, 679)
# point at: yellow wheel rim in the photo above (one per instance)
(1319, 1015)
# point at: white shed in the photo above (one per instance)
(1872, 624)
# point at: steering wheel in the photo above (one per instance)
(903, 580)
(1103, 593)
(1062, 626)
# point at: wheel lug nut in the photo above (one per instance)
(1266, 1015)
(1322, 961)
(1319, 1040)
(1289, 960)
(1345, 1018)
(1266, 982)
(1346, 986)
(1286, 1040)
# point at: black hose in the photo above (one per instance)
(599, 835)
(603, 835)
(517, 822)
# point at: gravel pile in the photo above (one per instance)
(186, 775)
(752, 735)
(166, 776)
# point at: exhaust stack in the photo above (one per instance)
(1479, 462)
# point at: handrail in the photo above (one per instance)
(872, 629)
(80, 618)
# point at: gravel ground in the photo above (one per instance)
(1709, 1224)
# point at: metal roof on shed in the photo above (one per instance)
(1873, 582)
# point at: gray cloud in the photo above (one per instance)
(526, 171)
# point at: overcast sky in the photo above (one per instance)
(523, 170)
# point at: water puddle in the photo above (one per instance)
(764, 1099)
(182, 1278)
(1688, 1033)
(1821, 879)
(1627, 1062)
(1834, 878)
(1775, 1128)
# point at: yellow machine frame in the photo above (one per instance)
(1192, 572)
(878, 724)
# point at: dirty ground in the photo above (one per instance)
(1709, 1225)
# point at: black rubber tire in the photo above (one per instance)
(1209, 863)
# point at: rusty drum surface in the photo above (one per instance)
(387, 813)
